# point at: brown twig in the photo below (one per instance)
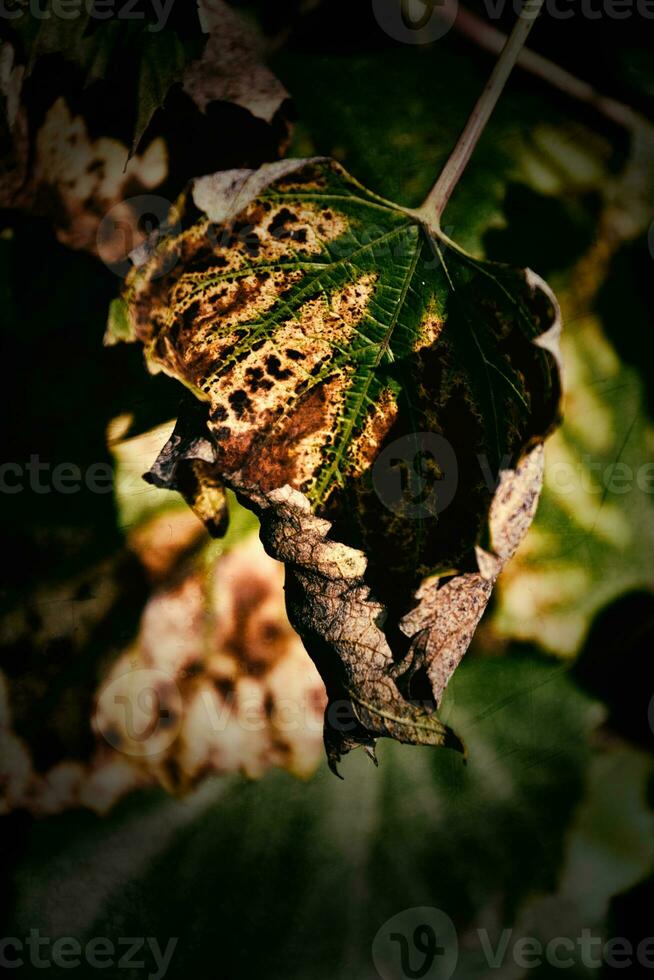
(491, 39)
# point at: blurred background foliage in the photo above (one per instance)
(548, 827)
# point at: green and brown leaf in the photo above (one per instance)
(329, 337)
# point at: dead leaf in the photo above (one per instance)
(51, 165)
(377, 395)
(215, 682)
(81, 179)
(231, 68)
(233, 684)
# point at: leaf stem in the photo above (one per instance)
(439, 195)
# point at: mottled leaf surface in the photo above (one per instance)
(328, 337)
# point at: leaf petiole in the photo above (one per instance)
(436, 201)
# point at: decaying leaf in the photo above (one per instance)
(377, 396)
(151, 56)
(231, 68)
(235, 691)
(71, 161)
(216, 681)
(79, 179)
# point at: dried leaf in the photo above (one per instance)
(378, 396)
(231, 68)
(230, 675)
(78, 168)
(216, 681)
(79, 179)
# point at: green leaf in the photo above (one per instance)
(119, 325)
(533, 192)
(315, 869)
(163, 59)
(333, 338)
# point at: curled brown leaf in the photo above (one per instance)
(377, 396)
